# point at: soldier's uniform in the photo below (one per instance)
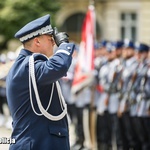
(147, 110)
(103, 117)
(129, 70)
(113, 102)
(82, 101)
(109, 105)
(39, 116)
(141, 96)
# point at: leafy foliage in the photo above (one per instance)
(16, 13)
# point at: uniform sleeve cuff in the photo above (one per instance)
(66, 48)
(62, 51)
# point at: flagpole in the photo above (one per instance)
(83, 76)
(92, 2)
(92, 113)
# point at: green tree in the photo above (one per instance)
(16, 13)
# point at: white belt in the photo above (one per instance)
(41, 108)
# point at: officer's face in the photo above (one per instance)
(127, 53)
(130, 52)
(111, 55)
(46, 45)
(138, 56)
(141, 56)
(114, 54)
(144, 55)
(119, 52)
(104, 51)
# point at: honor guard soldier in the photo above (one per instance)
(82, 101)
(147, 115)
(34, 96)
(141, 96)
(129, 71)
(103, 120)
(113, 94)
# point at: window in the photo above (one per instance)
(73, 26)
(129, 26)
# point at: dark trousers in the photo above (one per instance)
(118, 135)
(71, 111)
(146, 122)
(130, 132)
(103, 131)
(142, 126)
(79, 126)
(2, 102)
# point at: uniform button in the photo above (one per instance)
(59, 133)
(68, 47)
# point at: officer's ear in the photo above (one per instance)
(37, 41)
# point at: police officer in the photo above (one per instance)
(113, 104)
(82, 101)
(129, 71)
(33, 92)
(147, 110)
(103, 117)
(141, 95)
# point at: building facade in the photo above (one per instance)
(115, 19)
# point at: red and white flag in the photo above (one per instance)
(85, 61)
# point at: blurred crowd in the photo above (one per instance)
(6, 60)
(118, 97)
(113, 111)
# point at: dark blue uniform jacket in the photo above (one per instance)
(33, 132)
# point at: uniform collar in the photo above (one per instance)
(25, 52)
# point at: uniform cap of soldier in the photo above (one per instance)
(109, 47)
(117, 45)
(128, 44)
(35, 28)
(141, 47)
(103, 43)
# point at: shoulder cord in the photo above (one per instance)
(41, 108)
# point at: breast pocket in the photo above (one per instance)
(59, 132)
(59, 137)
